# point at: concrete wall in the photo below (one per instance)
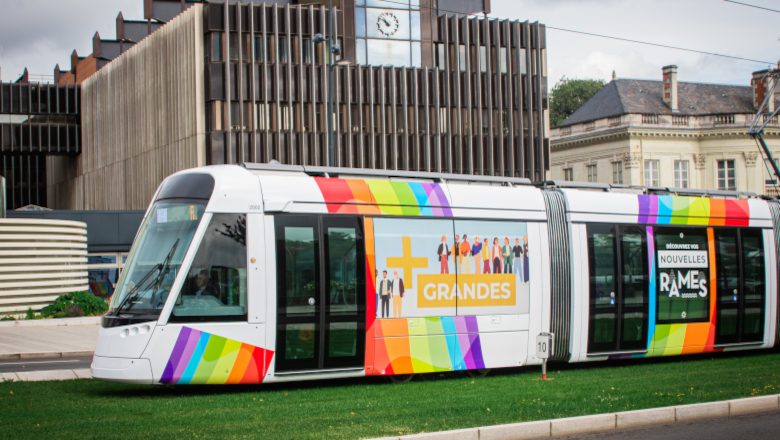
(142, 120)
(39, 261)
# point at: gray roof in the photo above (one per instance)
(623, 96)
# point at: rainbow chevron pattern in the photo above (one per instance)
(199, 357)
(384, 197)
(426, 345)
(685, 338)
(680, 210)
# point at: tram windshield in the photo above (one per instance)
(155, 259)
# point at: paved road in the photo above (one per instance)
(18, 366)
(754, 427)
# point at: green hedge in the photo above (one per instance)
(75, 304)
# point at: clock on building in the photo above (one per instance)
(387, 23)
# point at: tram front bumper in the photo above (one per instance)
(122, 369)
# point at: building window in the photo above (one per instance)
(216, 46)
(568, 174)
(592, 173)
(388, 33)
(103, 272)
(726, 175)
(651, 173)
(617, 172)
(681, 174)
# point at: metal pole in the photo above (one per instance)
(760, 138)
(332, 41)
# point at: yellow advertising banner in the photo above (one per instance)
(472, 290)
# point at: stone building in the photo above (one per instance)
(668, 134)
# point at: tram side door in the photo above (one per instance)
(740, 286)
(618, 288)
(320, 293)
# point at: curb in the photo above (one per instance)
(605, 423)
(44, 355)
(37, 376)
(59, 322)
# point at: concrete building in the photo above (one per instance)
(420, 85)
(669, 134)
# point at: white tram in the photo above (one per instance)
(268, 273)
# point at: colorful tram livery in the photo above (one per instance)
(268, 273)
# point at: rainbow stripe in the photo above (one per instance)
(426, 345)
(680, 210)
(204, 358)
(384, 197)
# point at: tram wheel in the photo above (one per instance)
(481, 372)
(401, 378)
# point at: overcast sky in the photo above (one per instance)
(41, 33)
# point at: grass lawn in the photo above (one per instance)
(373, 407)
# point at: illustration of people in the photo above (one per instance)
(525, 259)
(398, 294)
(465, 255)
(476, 253)
(517, 261)
(506, 252)
(378, 281)
(496, 255)
(444, 254)
(485, 256)
(384, 287)
(456, 249)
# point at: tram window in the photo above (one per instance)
(753, 255)
(342, 270)
(633, 257)
(727, 268)
(603, 305)
(753, 284)
(603, 273)
(215, 288)
(683, 274)
(300, 275)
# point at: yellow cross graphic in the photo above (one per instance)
(407, 262)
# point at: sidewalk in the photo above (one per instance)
(606, 423)
(48, 338)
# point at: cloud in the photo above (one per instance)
(41, 33)
(697, 24)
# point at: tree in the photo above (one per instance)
(570, 94)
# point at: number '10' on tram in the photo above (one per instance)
(268, 273)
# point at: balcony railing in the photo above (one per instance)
(664, 121)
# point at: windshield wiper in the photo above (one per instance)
(160, 267)
(132, 294)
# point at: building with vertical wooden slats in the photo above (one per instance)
(417, 85)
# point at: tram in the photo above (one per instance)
(268, 273)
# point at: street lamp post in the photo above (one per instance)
(334, 49)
